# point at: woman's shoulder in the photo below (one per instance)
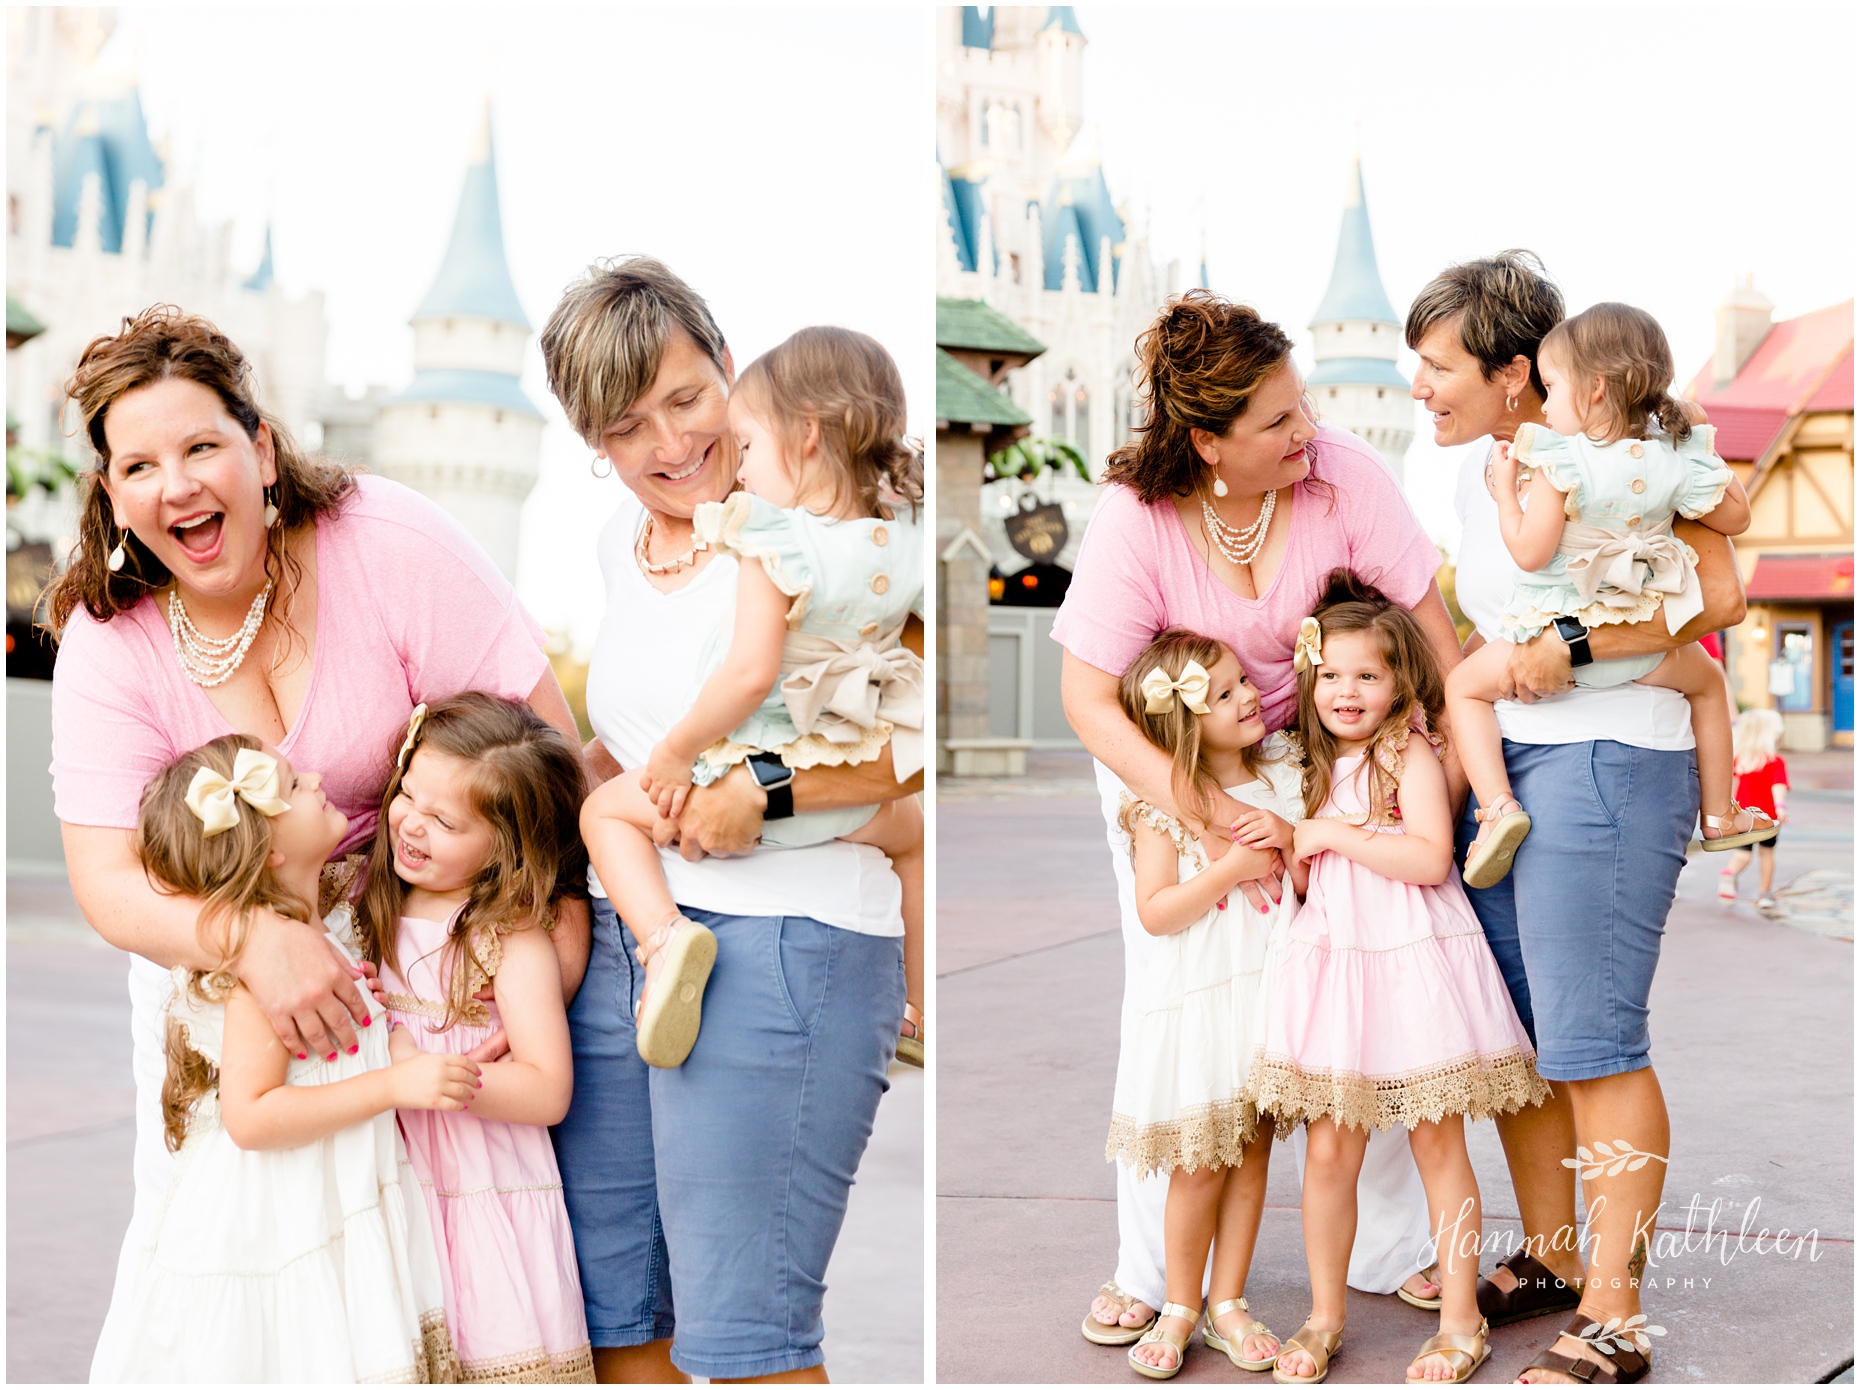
(1353, 472)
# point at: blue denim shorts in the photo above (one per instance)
(758, 1134)
(604, 1148)
(1576, 926)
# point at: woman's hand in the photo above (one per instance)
(722, 819)
(371, 977)
(431, 1080)
(304, 985)
(666, 780)
(1264, 886)
(1258, 828)
(1539, 668)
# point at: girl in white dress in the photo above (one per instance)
(1182, 1104)
(815, 674)
(293, 1244)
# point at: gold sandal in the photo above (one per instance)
(1321, 1346)
(1737, 839)
(673, 1009)
(1114, 1334)
(1414, 1300)
(1156, 1334)
(1230, 1345)
(911, 1044)
(1465, 1352)
(1489, 860)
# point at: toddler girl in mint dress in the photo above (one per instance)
(1593, 536)
(831, 547)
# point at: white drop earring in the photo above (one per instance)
(115, 561)
(271, 511)
(1220, 486)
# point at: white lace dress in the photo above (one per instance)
(308, 1264)
(1190, 1026)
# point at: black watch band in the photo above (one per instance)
(776, 779)
(1576, 637)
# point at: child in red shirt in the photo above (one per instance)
(1762, 785)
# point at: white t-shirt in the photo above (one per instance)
(652, 655)
(1643, 715)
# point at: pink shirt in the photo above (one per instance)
(409, 608)
(1138, 572)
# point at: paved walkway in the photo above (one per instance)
(1753, 1024)
(70, 1132)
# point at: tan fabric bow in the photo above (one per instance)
(1159, 691)
(1614, 568)
(838, 691)
(254, 781)
(414, 721)
(1308, 650)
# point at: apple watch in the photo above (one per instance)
(1576, 637)
(776, 779)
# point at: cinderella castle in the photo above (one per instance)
(97, 229)
(1032, 229)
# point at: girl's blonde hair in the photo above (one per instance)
(1627, 349)
(527, 785)
(1350, 604)
(1177, 731)
(847, 383)
(230, 874)
(1754, 739)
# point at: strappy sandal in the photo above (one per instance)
(673, 1009)
(1630, 1366)
(1322, 1347)
(911, 1044)
(1156, 1334)
(1229, 1345)
(1465, 1352)
(1489, 860)
(1737, 839)
(1414, 1300)
(1108, 1334)
(1537, 1293)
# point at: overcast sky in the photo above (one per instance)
(1646, 154)
(774, 158)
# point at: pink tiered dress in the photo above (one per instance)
(1385, 1005)
(507, 1257)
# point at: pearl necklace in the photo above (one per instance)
(670, 566)
(209, 661)
(1240, 544)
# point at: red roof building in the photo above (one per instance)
(1782, 398)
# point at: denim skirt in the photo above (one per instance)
(1577, 925)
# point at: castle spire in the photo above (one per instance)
(474, 279)
(1355, 294)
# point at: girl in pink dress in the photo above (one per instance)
(1387, 1007)
(478, 834)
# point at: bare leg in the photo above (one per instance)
(1701, 680)
(1740, 860)
(1235, 1231)
(1333, 1158)
(898, 830)
(1453, 1202)
(1472, 686)
(1537, 1139)
(1766, 869)
(616, 824)
(813, 1375)
(648, 1364)
(1627, 1106)
(1188, 1231)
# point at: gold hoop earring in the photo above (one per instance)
(601, 458)
(1511, 404)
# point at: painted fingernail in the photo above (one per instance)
(355, 1049)
(332, 1057)
(303, 1056)
(367, 1020)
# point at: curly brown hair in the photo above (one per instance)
(1198, 366)
(159, 344)
(847, 382)
(527, 784)
(1627, 349)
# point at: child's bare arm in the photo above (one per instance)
(734, 690)
(532, 1085)
(1530, 534)
(1165, 906)
(261, 1111)
(1423, 853)
(1731, 517)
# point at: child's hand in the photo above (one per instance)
(434, 1081)
(666, 781)
(1313, 837)
(1258, 828)
(401, 1045)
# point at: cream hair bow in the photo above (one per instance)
(1309, 648)
(254, 781)
(414, 721)
(1159, 691)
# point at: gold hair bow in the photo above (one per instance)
(414, 721)
(1159, 691)
(1309, 648)
(254, 781)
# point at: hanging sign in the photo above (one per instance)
(1038, 531)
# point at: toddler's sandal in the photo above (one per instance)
(1229, 1346)
(1156, 1334)
(1464, 1352)
(911, 1044)
(1322, 1347)
(1106, 1334)
(1737, 839)
(1414, 1300)
(673, 1008)
(1489, 860)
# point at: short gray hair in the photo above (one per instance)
(1505, 304)
(604, 342)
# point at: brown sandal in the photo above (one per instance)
(1538, 1292)
(1630, 1366)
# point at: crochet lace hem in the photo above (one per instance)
(538, 1366)
(1478, 1086)
(435, 1359)
(1206, 1136)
